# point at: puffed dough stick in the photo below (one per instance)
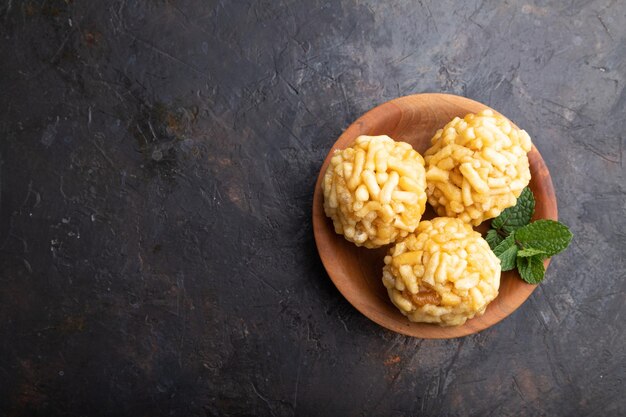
(474, 179)
(359, 161)
(390, 185)
(370, 181)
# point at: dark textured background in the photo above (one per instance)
(158, 160)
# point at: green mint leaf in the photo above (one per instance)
(493, 238)
(549, 236)
(507, 258)
(528, 252)
(517, 216)
(506, 251)
(504, 245)
(531, 269)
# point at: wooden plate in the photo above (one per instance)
(357, 272)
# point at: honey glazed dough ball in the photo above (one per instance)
(476, 167)
(374, 191)
(443, 273)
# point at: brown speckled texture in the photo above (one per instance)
(157, 164)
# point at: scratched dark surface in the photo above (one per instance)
(157, 168)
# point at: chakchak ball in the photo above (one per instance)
(444, 273)
(476, 167)
(375, 190)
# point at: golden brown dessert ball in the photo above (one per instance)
(374, 191)
(443, 273)
(476, 167)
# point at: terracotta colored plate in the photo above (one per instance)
(357, 272)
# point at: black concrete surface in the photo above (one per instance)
(157, 164)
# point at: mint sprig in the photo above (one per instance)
(520, 244)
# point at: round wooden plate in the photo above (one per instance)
(357, 272)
